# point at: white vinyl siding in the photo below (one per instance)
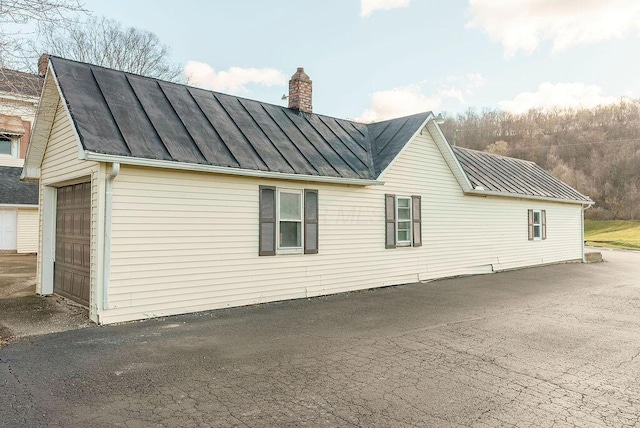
(9, 160)
(28, 224)
(60, 163)
(173, 250)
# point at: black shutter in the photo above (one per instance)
(530, 213)
(310, 221)
(267, 220)
(390, 220)
(416, 212)
(543, 215)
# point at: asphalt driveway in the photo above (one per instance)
(550, 346)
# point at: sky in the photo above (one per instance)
(372, 60)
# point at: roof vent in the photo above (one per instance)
(479, 188)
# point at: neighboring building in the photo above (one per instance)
(19, 95)
(161, 199)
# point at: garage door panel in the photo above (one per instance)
(72, 261)
(8, 229)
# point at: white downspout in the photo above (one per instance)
(108, 205)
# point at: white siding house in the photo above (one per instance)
(19, 94)
(138, 235)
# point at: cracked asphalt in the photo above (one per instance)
(555, 346)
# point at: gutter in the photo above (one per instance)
(519, 196)
(108, 205)
(185, 166)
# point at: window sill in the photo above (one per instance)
(289, 251)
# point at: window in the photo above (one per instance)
(403, 221)
(6, 146)
(537, 224)
(288, 221)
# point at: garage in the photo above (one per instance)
(72, 256)
(8, 232)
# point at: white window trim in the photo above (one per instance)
(539, 224)
(289, 250)
(408, 243)
(15, 146)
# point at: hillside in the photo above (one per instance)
(596, 151)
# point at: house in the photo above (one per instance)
(19, 95)
(160, 199)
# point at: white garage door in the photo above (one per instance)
(8, 226)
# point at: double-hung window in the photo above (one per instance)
(403, 219)
(288, 221)
(537, 220)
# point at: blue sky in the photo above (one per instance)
(375, 59)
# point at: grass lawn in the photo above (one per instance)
(612, 233)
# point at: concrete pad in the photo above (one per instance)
(22, 312)
(17, 275)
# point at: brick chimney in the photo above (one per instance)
(43, 63)
(300, 92)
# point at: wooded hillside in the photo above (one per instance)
(596, 151)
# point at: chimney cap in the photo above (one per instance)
(300, 74)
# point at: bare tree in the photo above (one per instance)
(16, 14)
(107, 43)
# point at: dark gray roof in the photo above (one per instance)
(389, 137)
(16, 192)
(117, 113)
(515, 176)
(20, 83)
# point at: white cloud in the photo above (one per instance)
(403, 101)
(558, 95)
(232, 80)
(406, 100)
(524, 24)
(368, 6)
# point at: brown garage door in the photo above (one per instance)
(71, 267)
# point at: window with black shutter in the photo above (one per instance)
(403, 221)
(288, 221)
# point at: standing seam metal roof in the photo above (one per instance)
(117, 113)
(123, 114)
(513, 176)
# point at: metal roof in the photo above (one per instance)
(389, 137)
(126, 115)
(122, 114)
(507, 175)
(20, 83)
(16, 192)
